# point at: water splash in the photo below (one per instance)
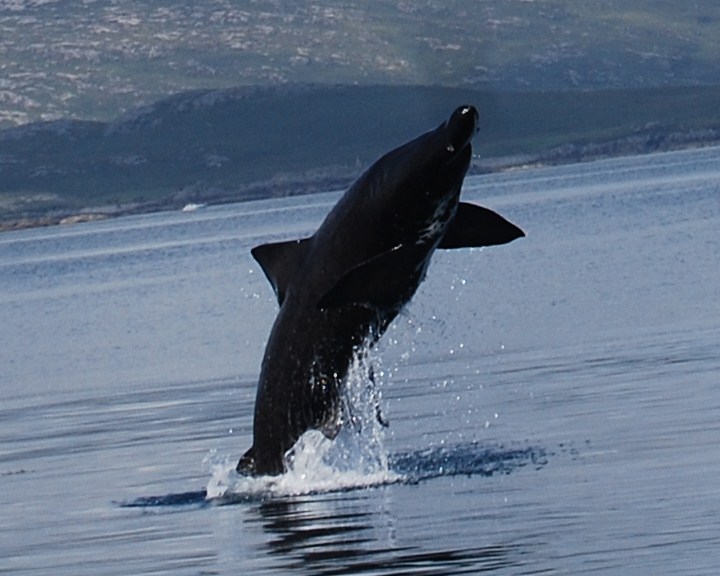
(356, 458)
(312, 473)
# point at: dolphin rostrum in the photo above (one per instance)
(339, 289)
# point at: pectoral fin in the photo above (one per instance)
(280, 262)
(372, 284)
(474, 226)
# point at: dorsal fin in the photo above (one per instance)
(474, 226)
(280, 262)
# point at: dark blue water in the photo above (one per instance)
(553, 403)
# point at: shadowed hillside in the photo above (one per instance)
(237, 144)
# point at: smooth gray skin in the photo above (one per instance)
(340, 288)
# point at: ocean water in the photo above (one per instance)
(554, 404)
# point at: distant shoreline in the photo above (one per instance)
(647, 142)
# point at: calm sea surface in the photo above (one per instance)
(554, 404)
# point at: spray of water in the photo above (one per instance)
(356, 458)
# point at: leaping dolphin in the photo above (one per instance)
(341, 287)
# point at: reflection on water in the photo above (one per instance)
(340, 536)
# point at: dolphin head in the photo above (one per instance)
(430, 165)
(434, 164)
(418, 184)
(460, 128)
(412, 191)
(450, 150)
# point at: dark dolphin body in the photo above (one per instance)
(341, 287)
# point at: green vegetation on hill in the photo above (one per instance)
(89, 60)
(235, 144)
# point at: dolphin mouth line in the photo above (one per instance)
(454, 149)
(458, 155)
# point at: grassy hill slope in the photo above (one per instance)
(92, 60)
